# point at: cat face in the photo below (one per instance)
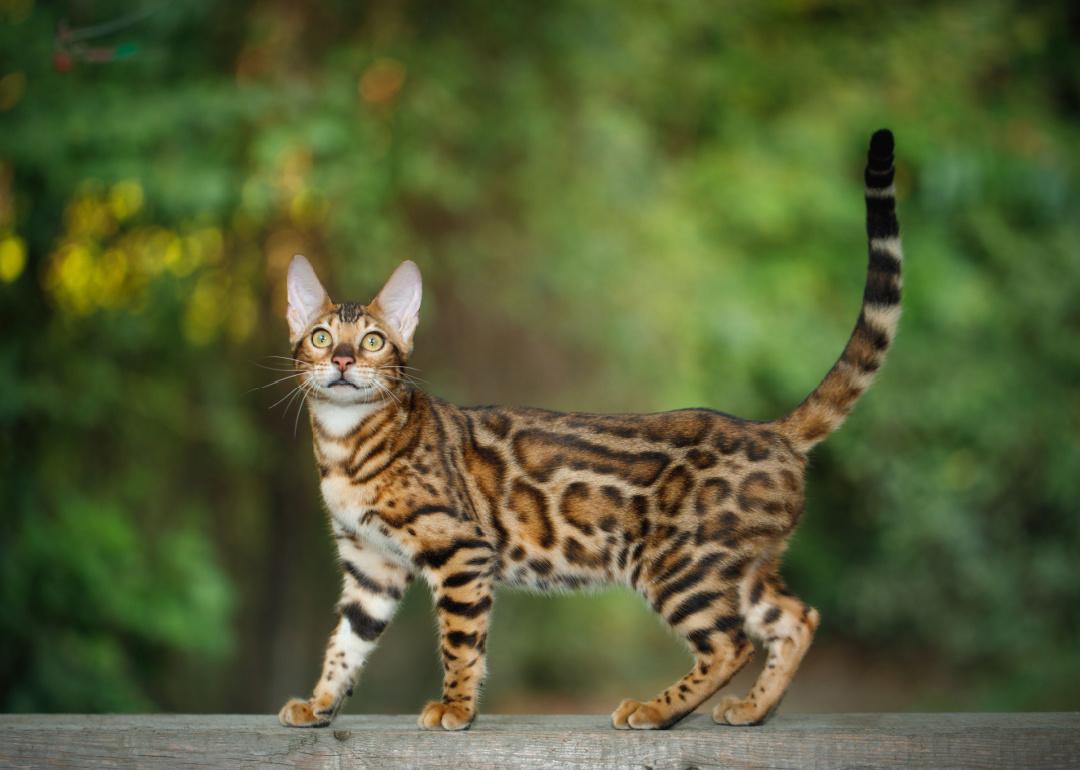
(352, 353)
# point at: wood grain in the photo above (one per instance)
(795, 741)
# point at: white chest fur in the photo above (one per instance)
(350, 506)
(350, 503)
(341, 419)
(346, 501)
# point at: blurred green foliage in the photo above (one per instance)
(621, 206)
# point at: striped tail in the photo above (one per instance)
(825, 409)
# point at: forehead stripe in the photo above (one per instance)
(349, 312)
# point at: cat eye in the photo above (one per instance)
(321, 338)
(373, 342)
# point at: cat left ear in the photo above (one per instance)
(307, 297)
(399, 300)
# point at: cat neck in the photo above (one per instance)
(335, 420)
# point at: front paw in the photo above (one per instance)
(635, 715)
(448, 716)
(301, 713)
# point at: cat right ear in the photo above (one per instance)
(307, 297)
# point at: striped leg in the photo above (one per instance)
(373, 587)
(727, 653)
(463, 597)
(694, 601)
(786, 626)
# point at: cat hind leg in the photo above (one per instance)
(720, 649)
(786, 626)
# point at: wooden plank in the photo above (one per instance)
(788, 741)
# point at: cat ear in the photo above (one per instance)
(307, 297)
(399, 300)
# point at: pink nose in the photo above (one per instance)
(343, 362)
(343, 356)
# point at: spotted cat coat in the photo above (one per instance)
(692, 509)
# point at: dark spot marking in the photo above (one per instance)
(735, 569)
(699, 638)
(461, 639)
(464, 609)
(756, 452)
(540, 566)
(361, 578)
(495, 421)
(673, 490)
(575, 507)
(460, 579)
(437, 557)
(692, 604)
(702, 459)
(362, 624)
(711, 494)
(531, 508)
(541, 453)
(727, 443)
(727, 623)
(674, 568)
(679, 429)
(756, 493)
(576, 553)
(687, 581)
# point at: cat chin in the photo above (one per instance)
(343, 395)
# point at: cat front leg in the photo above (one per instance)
(463, 595)
(373, 588)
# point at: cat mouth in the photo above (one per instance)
(341, 381)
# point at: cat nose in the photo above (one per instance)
(343, 356)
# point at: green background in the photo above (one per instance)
(617, 206)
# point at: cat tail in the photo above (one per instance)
(825, 409)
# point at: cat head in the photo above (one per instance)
(348, 352)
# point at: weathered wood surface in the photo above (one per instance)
(819, 741)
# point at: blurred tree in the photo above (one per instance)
(580, 182)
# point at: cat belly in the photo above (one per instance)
(542, 570)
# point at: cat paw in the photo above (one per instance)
(300, 713)
(632, 714)
(736, 711)
(447, 716)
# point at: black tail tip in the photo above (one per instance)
(881, 150)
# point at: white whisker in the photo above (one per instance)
(387, 391)
(291, 392)
(275, 382)
(299, 393)
(303, 400)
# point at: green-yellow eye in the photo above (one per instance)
(321, 338)
(373, 342)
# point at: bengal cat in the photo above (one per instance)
(691, 508)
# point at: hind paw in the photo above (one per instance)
(736, 711)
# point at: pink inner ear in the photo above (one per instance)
(307, 297)
(399, 300)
